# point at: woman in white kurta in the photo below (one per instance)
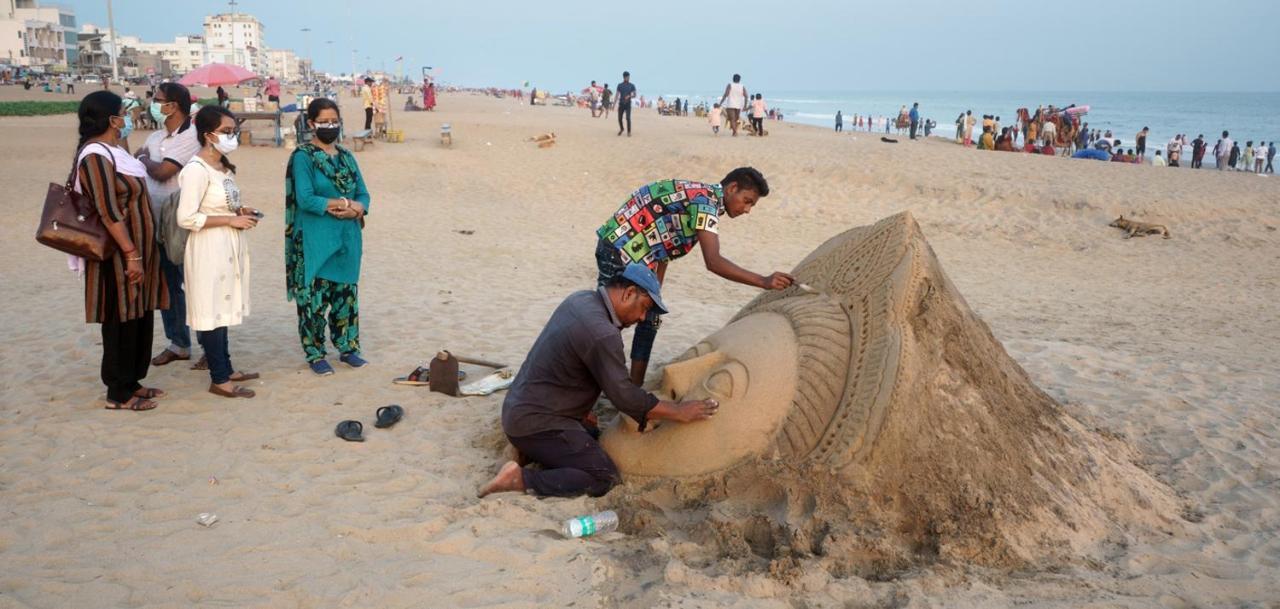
(217, 257)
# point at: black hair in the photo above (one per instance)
(368, 81)
(737, 77)
(1224, 133)
(626, 74)
(748, 178)
(321, 103)
(95, 112)
(620, 282)
(177, 94)
(207, 120)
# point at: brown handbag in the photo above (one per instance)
(70, 221)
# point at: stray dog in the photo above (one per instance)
(545, 140)
(1139, 229)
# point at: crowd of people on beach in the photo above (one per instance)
(1061, 131)
(736, 110)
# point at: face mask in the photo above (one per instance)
(128, 127)
(328, 135)
(226, 144)
(157, 114)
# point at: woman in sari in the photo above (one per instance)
(325, 203)
(429, 96)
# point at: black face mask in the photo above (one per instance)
(328, 134)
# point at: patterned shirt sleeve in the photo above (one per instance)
(705, 214)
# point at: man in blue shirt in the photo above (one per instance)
(915, 118)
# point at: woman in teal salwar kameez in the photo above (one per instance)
(325, 204)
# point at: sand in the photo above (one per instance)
(1167, 345)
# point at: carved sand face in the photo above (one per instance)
(750, 367)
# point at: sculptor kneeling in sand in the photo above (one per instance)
(578, 355)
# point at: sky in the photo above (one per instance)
(804, 45)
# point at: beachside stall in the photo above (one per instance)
(218, 74)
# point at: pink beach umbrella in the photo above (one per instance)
(216, 74)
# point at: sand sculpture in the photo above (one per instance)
(874, 423)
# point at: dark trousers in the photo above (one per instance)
(216, 349)
(624, 110)
(839, 127)
(609, 264)
(175, 317)
(368, 118)
(914, 126)
(1269, 168)
(126, 355)
(758, 124)
(573, 464)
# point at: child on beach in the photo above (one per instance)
(713, 117)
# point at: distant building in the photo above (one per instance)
(93, 55)
(284, 65)
(39, 35)
(237, 38)
(184, 54)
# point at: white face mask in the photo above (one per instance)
(226, 143)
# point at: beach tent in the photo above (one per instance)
(216, 74)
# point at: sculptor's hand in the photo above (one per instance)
(778, 281)
(701, 410)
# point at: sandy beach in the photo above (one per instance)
(1169, 345)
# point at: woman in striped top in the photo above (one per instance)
(121, 293)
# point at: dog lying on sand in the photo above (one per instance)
(546, 140)
(1133, 228)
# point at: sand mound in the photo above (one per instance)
(875, 425)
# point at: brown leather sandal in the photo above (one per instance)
(137, 404)
(168, 357)
(244, 376)
(236, 392)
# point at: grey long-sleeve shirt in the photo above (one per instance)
(578, 354)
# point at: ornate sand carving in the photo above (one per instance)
(910, 430)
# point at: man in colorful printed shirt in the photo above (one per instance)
(663, 221)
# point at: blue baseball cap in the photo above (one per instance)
(640, 275)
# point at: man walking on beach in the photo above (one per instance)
(839, 122)
(1271, 157)
(664, 221)
(606, 99)
(626, 91)
(1222, 151)
(578, 354)
(734, 101)
(915, 118)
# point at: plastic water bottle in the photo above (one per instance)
(592, 524)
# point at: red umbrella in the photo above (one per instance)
(215, 74)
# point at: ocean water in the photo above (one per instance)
(1248, 116)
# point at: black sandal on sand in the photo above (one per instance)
(389, 415)
(137, 404)
(350, 431)
(421, 377)
(149, 393)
